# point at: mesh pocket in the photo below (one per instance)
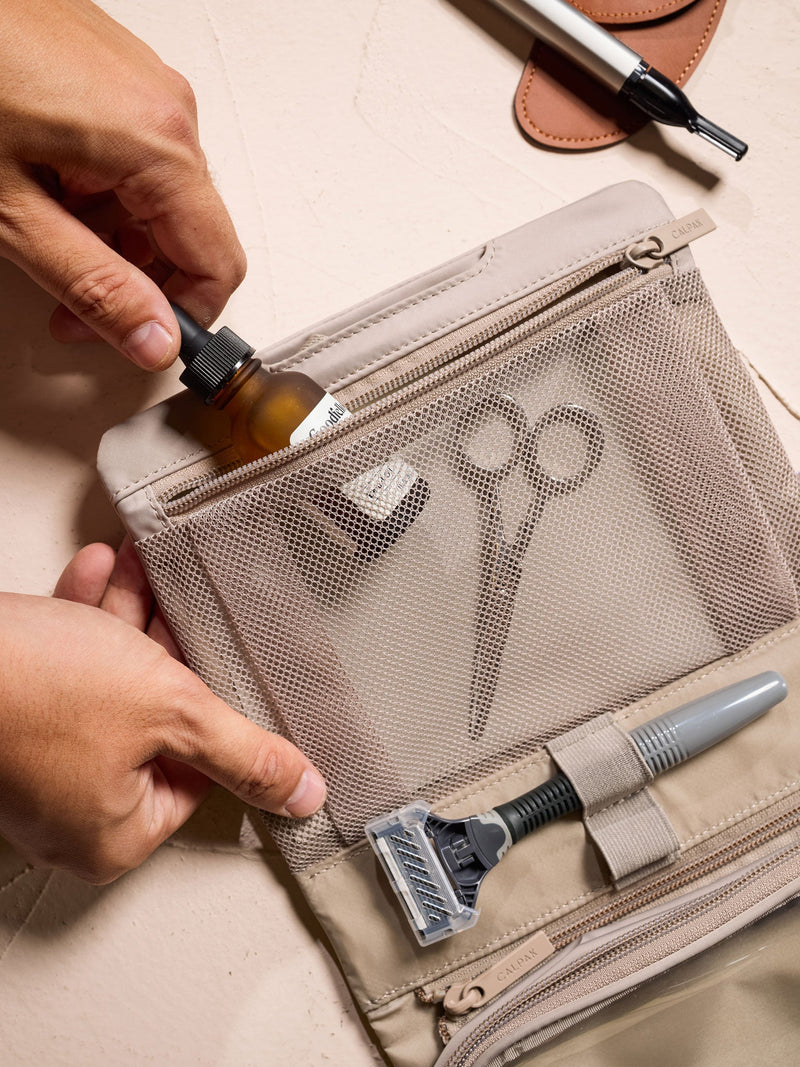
(644, 522)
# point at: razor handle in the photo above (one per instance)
(664, 742)
(435, 865)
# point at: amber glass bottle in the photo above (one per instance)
(271, 410)
(268, 411)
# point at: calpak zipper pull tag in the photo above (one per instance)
(665, 240)
(466, 996)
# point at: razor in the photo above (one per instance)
(436, 865)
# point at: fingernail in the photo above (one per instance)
(308, 797)
(148, 345)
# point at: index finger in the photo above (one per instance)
(191, 229)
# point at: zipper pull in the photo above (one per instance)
(665, 240)
(474, 993)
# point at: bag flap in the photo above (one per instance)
(178, 433)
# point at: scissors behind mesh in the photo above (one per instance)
(501, 560)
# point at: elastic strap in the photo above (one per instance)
(623, 819)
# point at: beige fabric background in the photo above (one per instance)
(356, 143)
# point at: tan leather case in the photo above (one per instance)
(560, 106)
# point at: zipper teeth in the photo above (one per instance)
(180, 489)
(704, 865)
(531, 308)
(192, 494)
(654, 891)
(606, 954)
(561, 1026)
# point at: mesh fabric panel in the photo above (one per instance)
(405, 675)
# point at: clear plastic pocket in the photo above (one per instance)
(607, 963)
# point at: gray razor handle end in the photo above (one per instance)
(678, 735)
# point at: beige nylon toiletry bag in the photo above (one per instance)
(667, 567)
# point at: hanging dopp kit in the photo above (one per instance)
(557, 525)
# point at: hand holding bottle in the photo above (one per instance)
(105, 193)
(107, 742)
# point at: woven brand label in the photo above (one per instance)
(326, 413)
(378, 492)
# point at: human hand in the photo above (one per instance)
(104, 190)
(107, 742)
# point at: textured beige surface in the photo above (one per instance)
(356, 143)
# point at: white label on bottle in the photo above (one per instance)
(378, 492)
(328, 412)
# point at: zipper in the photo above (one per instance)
(388, 396)
(570, 295)
(471, 992)
(561, 1026)
(506, 1019)
(464, 997)
(663, 241)
(546, 306)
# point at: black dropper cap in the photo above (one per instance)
(211, 359)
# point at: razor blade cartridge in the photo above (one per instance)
(433, 904)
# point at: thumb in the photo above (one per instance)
(114, 298)
(259, 767)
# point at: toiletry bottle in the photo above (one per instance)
(269, 411)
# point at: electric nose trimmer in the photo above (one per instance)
(616, 66)
(436, 865)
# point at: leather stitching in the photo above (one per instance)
(699, 48)
(617, 132)
(597, 16)
(555, 136)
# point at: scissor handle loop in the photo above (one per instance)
(593, 440)
(525, 440)
(507, 408)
